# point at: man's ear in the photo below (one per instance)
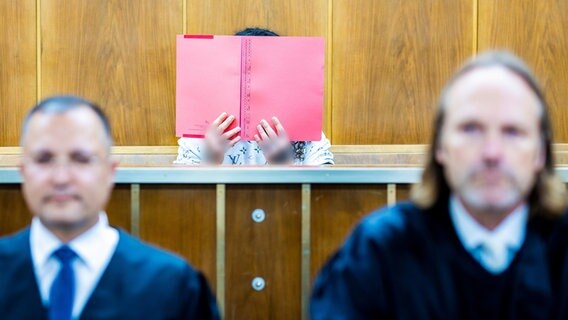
(22, 170)
(113, 165)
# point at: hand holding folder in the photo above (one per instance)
(219, 137)
(274, 143)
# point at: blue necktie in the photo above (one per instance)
(62, 292)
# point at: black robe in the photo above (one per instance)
(406, 263)
(140, 282)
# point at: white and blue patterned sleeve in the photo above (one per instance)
(190, 151)
(318, 152)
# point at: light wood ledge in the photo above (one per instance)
(405, 155)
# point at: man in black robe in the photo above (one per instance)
(70, 263)
(475, 240)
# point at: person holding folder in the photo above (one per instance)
(271, 145)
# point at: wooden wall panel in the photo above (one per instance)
(336, 209)
(181, 218)
(537, 31)
(403, 192)
(387, 59)
(390, 61)
(14, 214)
(270, 249)
(119, 53)
(17, 66)
(290, 17)
(118, 207)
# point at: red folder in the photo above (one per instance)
(252, 78)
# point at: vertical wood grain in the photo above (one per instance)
(270, 249)
(17, 66)
(14, 214)
(289, 17)
(118, 207)
(403, 192)
(390, 60)
(119, 53)
(181, 218)
(336, 209)
(537, 31)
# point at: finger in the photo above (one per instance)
(233, 141)
(262, 132)
(226, 123)
(269, 131)
(279, 127)
(264, 144)
(219, 119)
(227, 135)
(214, 128)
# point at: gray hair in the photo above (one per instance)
(63, 104)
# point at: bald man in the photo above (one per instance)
(70, 263)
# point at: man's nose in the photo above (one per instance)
(61, 173)
(493, 149)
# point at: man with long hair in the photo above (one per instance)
(473, 242)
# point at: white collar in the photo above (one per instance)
(510, 232)
(87, 245)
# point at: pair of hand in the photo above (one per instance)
(274, 144)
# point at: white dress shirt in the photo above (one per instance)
(94, 249)
(493, 249)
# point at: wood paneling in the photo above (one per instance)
(336, 209)
(403, 192)
(14, 214)
(387, 59)
(537, 31)
(119, 53)
(269, 249)
(118, 207)
(17, 66)
(390, 61)
(181, 218)
(290, 17)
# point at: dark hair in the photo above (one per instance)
(548, 196)
(62, 104)
(256, 32)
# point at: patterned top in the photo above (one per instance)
(191, 151)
